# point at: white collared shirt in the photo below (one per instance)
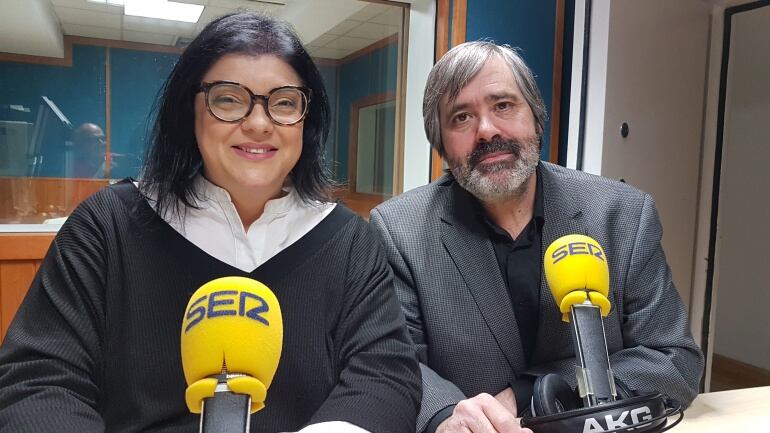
(216, 228)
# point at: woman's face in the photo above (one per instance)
(253, 156)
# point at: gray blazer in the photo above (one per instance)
(460, 315)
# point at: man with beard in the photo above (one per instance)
(467, 254)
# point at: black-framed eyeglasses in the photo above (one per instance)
(232, 102)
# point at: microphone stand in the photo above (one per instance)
(596, 383)
(226, 412)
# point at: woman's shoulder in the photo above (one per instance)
(111, 206)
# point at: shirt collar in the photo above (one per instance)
(208, 191)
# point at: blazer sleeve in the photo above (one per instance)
(438, 393)
(379, 384)
(51, 356)
(659, 352)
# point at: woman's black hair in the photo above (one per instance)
(173, 158)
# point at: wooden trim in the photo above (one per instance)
(66, 61)
(362, 204)
(384, 42)
(459, 21)
(442, 28)
(443, 39)
(107, 111)
(558, 57)
(136, 46)
(436, 165)
(40, 195)
(728, 373)
(442, 46)
(24, 246)
(323, 61)
(366, 101)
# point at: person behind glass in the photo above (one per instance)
(89, 151)
(467, 253)
(234, 184)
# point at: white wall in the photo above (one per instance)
(422, 24)
(647, 67)
(743, 245)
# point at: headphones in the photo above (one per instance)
(557, 408)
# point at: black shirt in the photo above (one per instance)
(520, 262)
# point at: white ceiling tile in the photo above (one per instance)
(347, 43)
(323, 40)
(87, 17)
(91, 31)
(329, 53)
(147, 38)
(209, 13)
(371, 31)
(369, 12)
(343, 27)
(391, 16)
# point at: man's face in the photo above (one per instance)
(489, 134)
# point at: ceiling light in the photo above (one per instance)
(164, 9)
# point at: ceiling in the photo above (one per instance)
(329, 28)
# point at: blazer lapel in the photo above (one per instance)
(468, 244)
(563, 215)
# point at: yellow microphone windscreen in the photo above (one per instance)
(576, 269)
(234, 322)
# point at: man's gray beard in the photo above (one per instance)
(502, 180)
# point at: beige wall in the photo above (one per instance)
(648, 64)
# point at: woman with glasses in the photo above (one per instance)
(233, 185)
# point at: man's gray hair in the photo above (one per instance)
(458, 67)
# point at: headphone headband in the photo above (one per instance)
(641, 414)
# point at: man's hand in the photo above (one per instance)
(508, 400)
(482, 414)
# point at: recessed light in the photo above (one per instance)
(164, 9)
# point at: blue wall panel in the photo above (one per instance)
(136, 77)
(78, 91)
(526, 24)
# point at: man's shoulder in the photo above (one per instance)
(588, 186)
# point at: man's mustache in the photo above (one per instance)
(484, 148)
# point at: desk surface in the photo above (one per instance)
(741, 411)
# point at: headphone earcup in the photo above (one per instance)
(551, 395)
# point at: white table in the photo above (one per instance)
(740, 411)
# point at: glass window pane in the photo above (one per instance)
(361, 62)
(69, 126)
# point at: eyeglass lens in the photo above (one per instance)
(231, 102)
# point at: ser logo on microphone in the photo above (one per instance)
(224, 303)
(577, 248)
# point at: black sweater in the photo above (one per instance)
(95, 344)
